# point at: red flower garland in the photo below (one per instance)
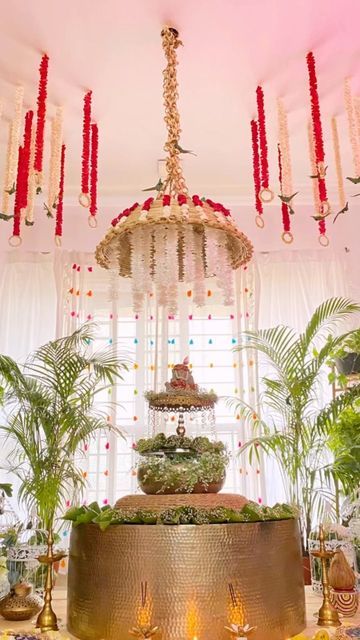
(86, 143)
(60, 202)
(41, 114)
(318, 138)
(284, 205)
(19, 195)
(94, 169)
(256, 166)
(262, 138)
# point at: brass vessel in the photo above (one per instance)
(20, 603)
(188, 569)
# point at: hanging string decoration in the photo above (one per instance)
(94, 174)
(55, 159)
(60, 200)
(344, 206)
(84, 197)
(12, 151)
(317, 202)
(259, 220)
(26, 165)
(353, 134)
(266, 194)
(285, 169)
(40, 119)
(286, 235)
(31, 196)
(318, 150)
(15, 239)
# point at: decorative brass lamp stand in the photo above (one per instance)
(47, 620)
(328, 616)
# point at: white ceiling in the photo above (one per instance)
(114, 48)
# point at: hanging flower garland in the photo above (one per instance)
(15, 239)
(284, 160)
(60, 199)
(339, 173)
(286, 235)
(318, 147)
(55, 158)
(31, 196)
(94, 175)
(26, 163)
(40, 120)
(84, 197)
(265, 194)
(354, 140)
(317, 202)
(12, 151)
(259, 220)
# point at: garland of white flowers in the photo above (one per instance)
(353, 134)
(284, 142)
(337, 155)
(55, 157)
(12, 150)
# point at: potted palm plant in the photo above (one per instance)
(347, 357)
(292, 426)
(50, 414)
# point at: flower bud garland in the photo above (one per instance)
(320, 169)
(31, 196)
(84, 198)
(284, 142)
(354, 140)
(26, 160)
(15, 239)
(339, 172)
(55, 158)
(12, 150)
(287, 236)
(316, 194)
(94, 169)
(256, 173)
(41, 115)
(60, 200)
(265, 194)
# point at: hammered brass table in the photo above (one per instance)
(188, 570)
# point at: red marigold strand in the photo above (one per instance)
(262, 138)
(94, 169)
(86, 143)
(284, 205)
(315, 109)
(256, 166)
(60, 202)
(41, 114)
(19, 194)
(26, 157)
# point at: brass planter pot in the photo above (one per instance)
(150, 487)
(188, 569)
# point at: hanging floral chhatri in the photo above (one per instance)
(174, 237)
(259, 220)
(318, 153)
(266, 194)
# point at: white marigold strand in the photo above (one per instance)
(12, 149)
(337, 155)
(349, 107)
(55, 157)
(284, 141)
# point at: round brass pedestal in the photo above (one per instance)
(188, 569)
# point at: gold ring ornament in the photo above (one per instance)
(92, 222)
(15, 241)
(259, 221)
(266, 195)
(324, 208)
(287, 237)
(324, 240)
(58, 241)
(84, 200)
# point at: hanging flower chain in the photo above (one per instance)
(26, 159)
(175, 181)
(354, 140)
(12, 150)
(317, 202)
(29, 216)
(339, 172)
(256, 173)
(60, 202)
(94, 169)
(55, 157)
(41, 115)
(266, 194)
(84, 198)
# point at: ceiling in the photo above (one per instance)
(114, 48)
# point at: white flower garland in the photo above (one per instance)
(55, 157)
(354, 141)
(12, 149)
(284, 142)
(339, 172)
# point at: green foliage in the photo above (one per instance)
(294, 433)
(50, 415)
(344, 442)
(107, 516)
(160, 442)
